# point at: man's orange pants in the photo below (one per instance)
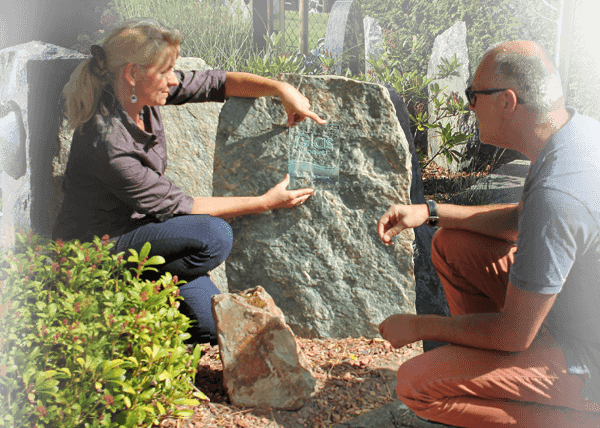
(469, 387)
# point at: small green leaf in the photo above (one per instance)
(144, 251)
(184, 413)
(186, 402)
(133, 360)
(200, 395)
(128, 389)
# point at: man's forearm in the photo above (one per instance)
(498, 221)
(485, 331)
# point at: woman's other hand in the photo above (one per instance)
(280, 197)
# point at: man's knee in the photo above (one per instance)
(440, 244)
(406, 376)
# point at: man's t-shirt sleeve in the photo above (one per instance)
(550, 224)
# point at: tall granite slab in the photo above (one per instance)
(373, 42)
(336, 31)
(323, 262)
(451, 42)
(32, 76)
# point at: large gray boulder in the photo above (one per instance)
(323, 263)
(451, 42)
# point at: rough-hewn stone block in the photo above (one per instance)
(323, 262)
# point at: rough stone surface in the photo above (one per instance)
(32, 76)
(373, 41)
(322, 262)
(451, 42)
(430, 296)
(263, 366)
(344, 37)
(191, 130)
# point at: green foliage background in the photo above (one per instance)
(488, 21)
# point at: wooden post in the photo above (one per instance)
(259, 24)
(269, 17)
(303, 26)
(282, 45)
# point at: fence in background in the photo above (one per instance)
(302, 23)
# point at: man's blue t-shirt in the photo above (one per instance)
(559, 243)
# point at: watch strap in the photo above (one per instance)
(433, 219)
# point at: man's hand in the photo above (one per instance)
(280, 197)
(400, 217)
(296, 105)
(397, 330)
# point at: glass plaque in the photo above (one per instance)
(314, 156)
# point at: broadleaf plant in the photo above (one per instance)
(86, 342)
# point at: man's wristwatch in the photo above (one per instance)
(432, 221)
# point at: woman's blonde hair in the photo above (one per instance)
(137, 41)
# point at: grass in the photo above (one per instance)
(213, 34)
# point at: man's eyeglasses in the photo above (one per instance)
(472, 97)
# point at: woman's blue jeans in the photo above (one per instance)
(192, 245)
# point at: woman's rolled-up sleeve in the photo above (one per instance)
(143, 189)
(198, 87)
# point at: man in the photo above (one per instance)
(524, 333)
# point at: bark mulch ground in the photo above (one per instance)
(354, 376)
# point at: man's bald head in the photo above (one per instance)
(525, 67)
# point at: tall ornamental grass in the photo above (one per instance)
(211, 31)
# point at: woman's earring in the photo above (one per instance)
(133, 96)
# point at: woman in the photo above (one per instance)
(114, 182)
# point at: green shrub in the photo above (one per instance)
(412, 26)
(86, 342)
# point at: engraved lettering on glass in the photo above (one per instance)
(314, 153)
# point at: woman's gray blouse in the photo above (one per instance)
(114, 181)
